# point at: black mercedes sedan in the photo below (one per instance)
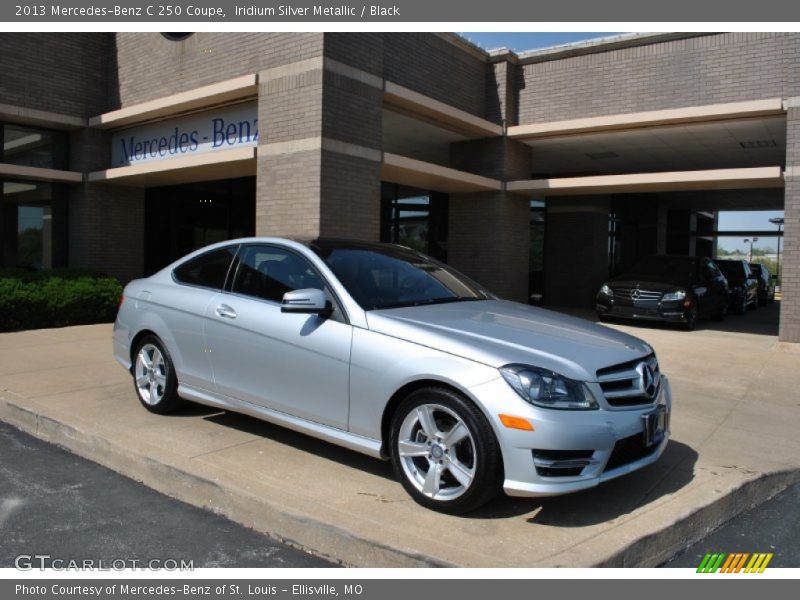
(742, 285)
(675, 289)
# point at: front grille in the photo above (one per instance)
(628, 293)
(633, 383)
(561, 463)
(628, 450)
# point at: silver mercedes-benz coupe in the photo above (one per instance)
(388, 352)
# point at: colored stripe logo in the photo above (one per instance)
(737, 562)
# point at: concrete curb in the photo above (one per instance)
(333, 543)
(657, 548)
(279, 522)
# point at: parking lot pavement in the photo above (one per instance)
(734, 444)
(771, 527)
(58, 504)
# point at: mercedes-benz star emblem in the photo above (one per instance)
(635, 294)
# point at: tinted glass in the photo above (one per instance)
(268, 272)
(672, 268)
(33, 147)
(732, 269)
(33, 224)
(207, 270)
(391, 277)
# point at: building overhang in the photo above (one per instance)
(420, 174)
(715, 179)
(208, 166)
(224, 92)
(40, 118)
(674, 116)
(409, 101)
(10, 171)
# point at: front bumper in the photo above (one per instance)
(599, 445)
(671, 312)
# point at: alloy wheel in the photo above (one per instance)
(437, 452)
(151, 374)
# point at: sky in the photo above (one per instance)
(742, 221)
(520, 42)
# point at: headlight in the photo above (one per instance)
(547, 389)
(670, 296)
(606, 291)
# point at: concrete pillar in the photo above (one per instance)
(489, 232)
(319, 155)
(576, 250)
(790, 260)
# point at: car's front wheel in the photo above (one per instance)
(154, 377)
(444, 451)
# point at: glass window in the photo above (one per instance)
(536, 260)
(33, 225)
(207, 270)
(414, 218)
(268, 272)
(33, 147)
(389, 277)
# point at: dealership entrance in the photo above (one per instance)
(183, 218)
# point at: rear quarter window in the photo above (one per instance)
(208, 270)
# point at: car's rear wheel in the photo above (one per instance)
(444, 451)
(154, 377)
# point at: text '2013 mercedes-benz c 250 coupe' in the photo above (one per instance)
(388, 352)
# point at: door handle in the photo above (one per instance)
(225, 311)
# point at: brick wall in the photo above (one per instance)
(106, 229)
(433, 66)
(150, 65)
(701, 70)
(60, 72)
(790, 262)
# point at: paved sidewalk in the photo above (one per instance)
(735, 443)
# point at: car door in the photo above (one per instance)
(294, 363)
(182, 305)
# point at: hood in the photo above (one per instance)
(499, 332)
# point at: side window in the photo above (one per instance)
(268, 272)
(207, 270)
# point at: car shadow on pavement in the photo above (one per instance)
(606, 502)
(305, 443)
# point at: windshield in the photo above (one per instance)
(665, 268)
(384, 276)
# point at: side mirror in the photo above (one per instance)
(308, 301)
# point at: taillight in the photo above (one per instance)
(121, 300)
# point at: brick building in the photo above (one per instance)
(538, 174)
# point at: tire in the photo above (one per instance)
(156, 386)
(754, 305)
(454, 477)
(691, 317)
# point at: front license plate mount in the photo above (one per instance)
(655, 426)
